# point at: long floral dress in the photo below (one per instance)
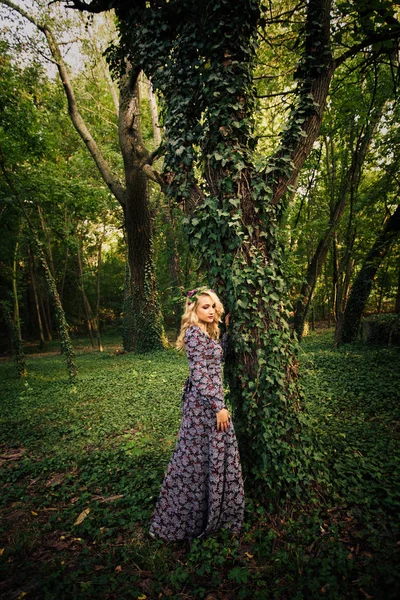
(203, 487)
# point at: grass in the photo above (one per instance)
(82, 466)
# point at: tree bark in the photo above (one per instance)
(146, 318)
(362, 285)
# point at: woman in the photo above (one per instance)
(203, 488)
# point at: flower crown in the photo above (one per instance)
(193, 295)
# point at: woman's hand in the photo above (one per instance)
(227, 319)
(223, 420)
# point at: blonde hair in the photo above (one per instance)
(190, 317)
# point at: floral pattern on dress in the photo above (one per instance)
(202, 489)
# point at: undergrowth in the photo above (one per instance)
(82, 466)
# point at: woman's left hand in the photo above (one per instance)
(223, 420)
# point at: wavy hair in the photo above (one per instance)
(190, 317)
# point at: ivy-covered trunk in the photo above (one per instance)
(201, 59)
(143, 323)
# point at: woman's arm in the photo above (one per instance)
(209, 387)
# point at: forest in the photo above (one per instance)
(148, 148)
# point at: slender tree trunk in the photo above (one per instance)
(397, 303)
(48, 242)
(16, 316)
(362, 285)
(86, 306)
(90, 321)
(44, 313)
(64, 272)
(36, 298)
(66, 256)
(381, 291)
(98, 278)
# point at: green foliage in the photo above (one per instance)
(103, 445)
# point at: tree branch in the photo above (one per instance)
(373, 39)
(76, 118)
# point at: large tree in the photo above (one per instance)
(200, 56)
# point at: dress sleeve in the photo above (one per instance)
(208, 384)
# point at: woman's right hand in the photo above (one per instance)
(223, 420)
(227, 319)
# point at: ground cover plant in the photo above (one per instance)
(82, 464)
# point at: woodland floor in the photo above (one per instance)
(82, 464)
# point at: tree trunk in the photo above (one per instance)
(48, 242)
(86, 306)
(91, 324)
(16, 316)
(66, 258)
(142, 298)
(397, 303)
(45, 308)
(98, 278)
(36, 298)
(363, 282)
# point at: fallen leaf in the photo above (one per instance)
(56, 480)
(1, 551)
(34, 513)
(22, 595)
(14, 455)
(118, 569)
(249, 555)
(82, 516)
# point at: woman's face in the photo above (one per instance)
(205, 309)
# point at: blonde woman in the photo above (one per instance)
(203, 488)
